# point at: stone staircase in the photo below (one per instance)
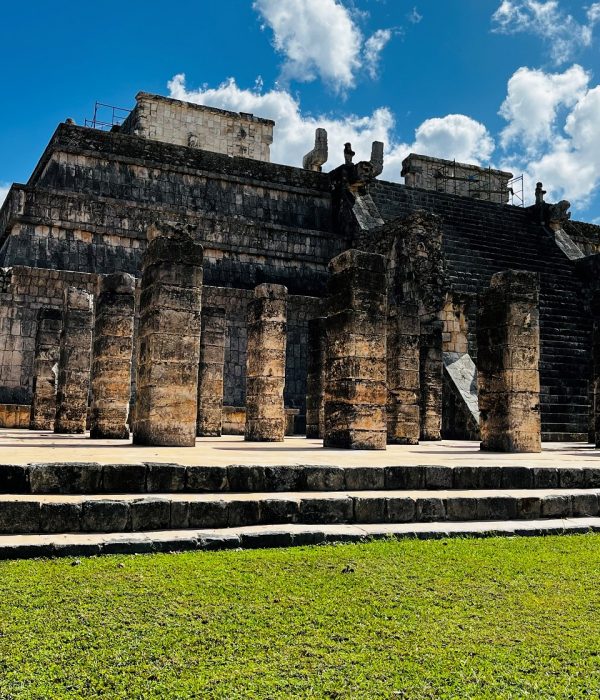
(482, 238)
(88, 509)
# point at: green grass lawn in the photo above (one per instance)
(496, 618)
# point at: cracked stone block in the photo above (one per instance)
(355, 388)
(508, 340)
(74, 362)
(169, 342)
(112, 351)
(265, 364)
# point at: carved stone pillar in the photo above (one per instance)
(355, 388)
(265, 364)
(595, 382)
(45, 369)
(315, 380)
(431, 379)
(403, 380)
(508, 340)
(169, 342)
(112, 351)
(74, 361)
(210, 374)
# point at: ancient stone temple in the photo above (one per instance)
(96, 200)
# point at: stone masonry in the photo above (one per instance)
(169, 341)
(315, 381)
(508, 338)
(112, 352)
(265, 363)
(355, 389)
(74, 362)
(403, 380)
(45, 369)
(210, 375)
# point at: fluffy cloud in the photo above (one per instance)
(4, 187)
(453, 136)
(563, 152)
(320, 39)
(533, 101)
(560, 30)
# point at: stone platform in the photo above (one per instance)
(70, 495)
(30, 446)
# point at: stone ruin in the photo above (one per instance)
(162, 277)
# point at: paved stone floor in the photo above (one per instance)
(30, 446)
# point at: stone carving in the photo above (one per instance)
(45, 367)
(558, 214)
(112, 352)
(377, 158)
(348, 154)
(169, 341)
(403, 380)
(508, 341)
(193, 141)
(315, 381)
(74, 362)
(315, 159)
(210, 375)
(539, 193)
(265, 364)
(355, 385)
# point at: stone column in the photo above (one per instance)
(403, 379)
(74, 361)
(508, 340)
(265, 364)
(169, 342)
(355, 385)
(431, 379)
(45, 368)
(595, 382)
(112, 352)
(315, 379)
(210, 374)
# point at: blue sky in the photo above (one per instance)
(512, 83)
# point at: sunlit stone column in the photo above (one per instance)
(45, 368)
(210, 374)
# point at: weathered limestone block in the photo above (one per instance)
(508, 338)
(210, 374)
(355, 388)
(74, 361)
(315, 380)
(169, 342)
(403, 380)
(431, 379)
(112, 352)
(45, 369)
(265, 364)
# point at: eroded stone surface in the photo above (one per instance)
(74, 362)
(45, 369)
(508, 338)
(355, 388)
(169, 341)
(112, 351)
(315, 381)
(210, 374)
(265, 366)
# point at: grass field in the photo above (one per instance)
(497, 618)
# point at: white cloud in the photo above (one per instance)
(414, 17)
(374, 45)
(545, 18)
(563, 152)
(453, 136)
(533, 100)
(4, 187)
(320, 39)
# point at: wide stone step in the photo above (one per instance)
(93, 478)
(131, 513)
(263, 536)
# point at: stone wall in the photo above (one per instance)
(456, 178)
(197, 126)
